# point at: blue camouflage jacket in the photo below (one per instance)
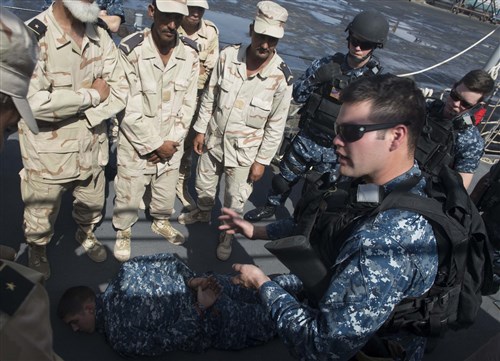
(148, 310)
(468, 150)
(387, 257)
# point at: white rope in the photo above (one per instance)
(22, 9)
(494, 71)
(449, 59)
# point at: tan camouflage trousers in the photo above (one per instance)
(130, 190)
(237, 189)
(43, 200)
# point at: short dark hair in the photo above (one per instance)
(73, 300)
(478, 81)
(394, 100)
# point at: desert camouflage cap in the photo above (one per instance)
(270, 19)
(172, 6)
(201, 3)
(18, 55)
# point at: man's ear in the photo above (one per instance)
(399, 136)
(151, 10)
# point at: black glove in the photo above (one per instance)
(327, 72)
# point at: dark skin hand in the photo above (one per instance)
(102, 87)
(198, 142)
(164, 153)
(256, 172)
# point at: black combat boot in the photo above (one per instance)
(260, 213)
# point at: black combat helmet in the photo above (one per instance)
(369, 25)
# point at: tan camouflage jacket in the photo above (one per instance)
(72, 142)
(207, 38)
(161, 103)
(249, 113)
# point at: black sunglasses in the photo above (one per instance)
(353, 132)
(458, 98)
(363, 45)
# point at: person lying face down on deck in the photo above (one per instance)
(156, 304)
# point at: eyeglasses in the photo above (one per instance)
(363, 45)
(457, 97)
(353, 132)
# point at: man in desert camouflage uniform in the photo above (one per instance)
(163, 75)
(111, 13)
(25, 330)
(206, 35)
(77, 84)
(249, 95)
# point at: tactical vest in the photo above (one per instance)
(323, 106)
(436, 142)
(327, 213)
(327, 216)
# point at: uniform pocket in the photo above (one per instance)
(59, 158)
(150, 97)
(258, 113)
(103, 156)
(150, 103)
(60, 80)
(225, 93)
(180, 89)
(246, 151)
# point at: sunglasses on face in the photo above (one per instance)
(363, 45)
(353, 132)
(458, 98)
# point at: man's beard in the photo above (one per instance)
(86, 13)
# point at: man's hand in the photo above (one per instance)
(102, 88)
(256, 172)
(207, 290)
(232, 223)
(198, 143)
(250, 276)
(164, 153)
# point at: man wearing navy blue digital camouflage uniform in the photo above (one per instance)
(318, 89)
(383, 259)
(155, 305)
(465, 144)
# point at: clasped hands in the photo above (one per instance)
(164, 153)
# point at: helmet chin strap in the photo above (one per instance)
(360, 60)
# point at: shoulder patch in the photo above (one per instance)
(288, 73)
(131, 43)
(212, 25)
(189, 42)
(14, 288)
(38, 27)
